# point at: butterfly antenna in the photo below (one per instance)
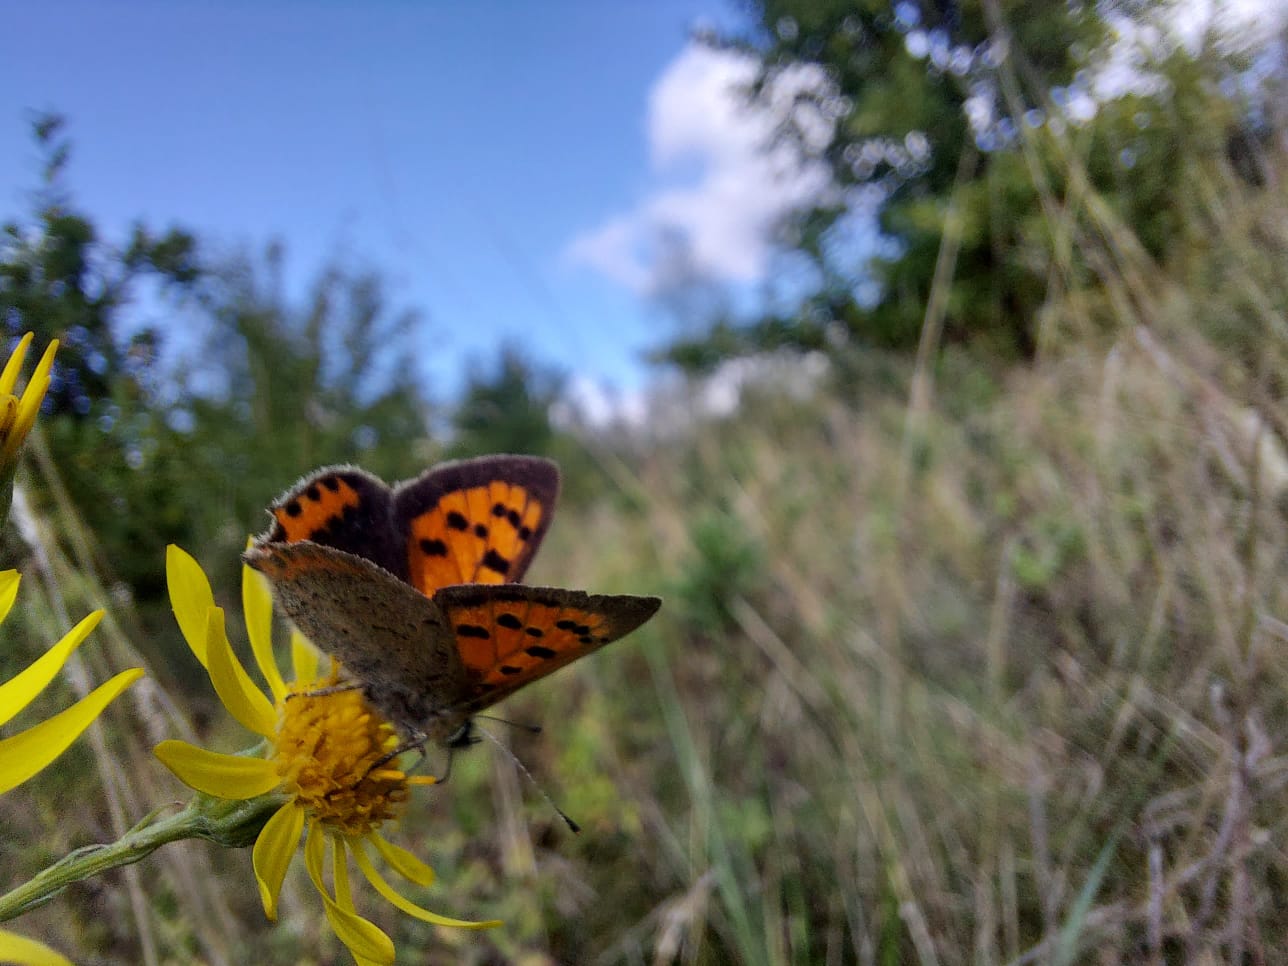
(573, 826)
(447, 772)
(531, 729)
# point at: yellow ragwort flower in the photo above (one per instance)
(26, 753)
(325, 752)
(18, 414)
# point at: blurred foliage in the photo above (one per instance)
(956, 124)
(726, 565)
(506, 409)
(58, 279)
(969, 682)
(331, 378)
(183, 432)
(508, 406)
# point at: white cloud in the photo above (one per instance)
(592, 403)
(721, 224)
(670, 405)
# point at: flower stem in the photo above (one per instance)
(230, 823)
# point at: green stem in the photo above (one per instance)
(231, 823)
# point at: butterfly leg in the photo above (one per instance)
(416, 743)
(323, 692)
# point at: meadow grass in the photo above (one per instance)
(959, 663)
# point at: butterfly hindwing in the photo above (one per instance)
(476, 521)
(510, 636)
(342, 507)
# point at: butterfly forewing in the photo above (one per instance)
(476, 521)
(388, 636)
(510, 636)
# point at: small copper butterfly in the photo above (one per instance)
(413, 588)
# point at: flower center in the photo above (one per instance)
(328, 746)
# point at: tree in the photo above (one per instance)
(59, 279)
(187, 442)
(506, 408)
(963, 120)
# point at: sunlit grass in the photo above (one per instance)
(989, 673)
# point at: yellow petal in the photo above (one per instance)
(304, 658)
(18, 691)
(28, 952)
(406, 905)
(9, 580)
(8, 417)
(273, 852)
(9, 377)
(361, 937)
(32, 396)
(257, 608)
(34, 392)
(26, 753)
(224, 776)
(340, 875)
(190, 598)
(402, 861)
(244, 701)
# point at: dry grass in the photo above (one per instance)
(997, 676)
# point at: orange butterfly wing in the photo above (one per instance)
(477, 521)
(342, 507)
(511, 636)
(472, 521)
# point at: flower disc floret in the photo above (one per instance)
(333, 755)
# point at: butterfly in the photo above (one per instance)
(413, 588)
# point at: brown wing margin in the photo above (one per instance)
(475, 521)
(342, 507)
(510, 636)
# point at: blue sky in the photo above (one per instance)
(500, 163)
(515, 170)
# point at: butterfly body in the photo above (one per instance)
(412, 588)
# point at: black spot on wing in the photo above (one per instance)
(433, 548)
(494, 561)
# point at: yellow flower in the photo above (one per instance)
(18, 415)
(24, 754)
(326, 752)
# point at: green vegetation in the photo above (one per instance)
(975, 653)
